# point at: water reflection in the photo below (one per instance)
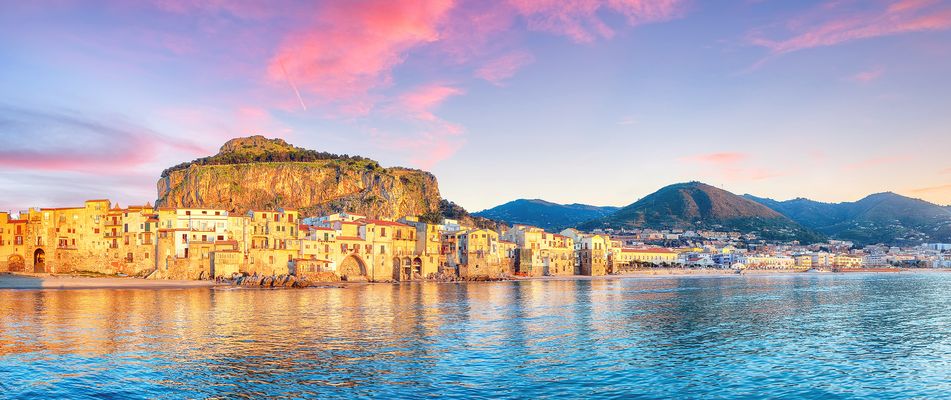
(811, 336)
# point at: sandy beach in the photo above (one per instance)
(47, 281)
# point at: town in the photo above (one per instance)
(198, 243)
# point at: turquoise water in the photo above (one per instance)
(805, 336)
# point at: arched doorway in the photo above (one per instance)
(417, 267)
(396, 269)
(407, 268)
(16, 263)
(39, 261)
(352, 268)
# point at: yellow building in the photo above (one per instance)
(646, 255)
(848, 261)
(595, 255)
(478, 254)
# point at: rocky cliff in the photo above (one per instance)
(260, 173)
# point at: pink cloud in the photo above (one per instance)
(719, 158)
(352, 47)
(873, 162)
(245, 9)
(832, 24)
(732, 166)
(498, 70)
(940, 194)
(868, 76)
(581, 20)
(68, 142)
(431, 139)
(420, 102)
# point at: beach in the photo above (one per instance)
(49, 281)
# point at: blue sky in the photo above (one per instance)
(587, 101)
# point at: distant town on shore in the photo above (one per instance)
(262, 207)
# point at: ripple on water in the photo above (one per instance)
(809, 336)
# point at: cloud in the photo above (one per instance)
(60, 158)
(65, 141)
(878, 161)
(627, 120)
(498, 70)
(430, 139)
(725, 158)
(352, 47)
(940, 194)
(421, 102)
(581, 20)
(868, 76)
(837, 22)
(732, 166)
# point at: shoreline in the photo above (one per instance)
(27, 281)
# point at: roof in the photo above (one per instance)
(654, 250)
(382, 222)
(349, 238)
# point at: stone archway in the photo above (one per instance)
(417, 267)
(39, 261)
(16, 263)
(407, 268)
(396, 269)
(352, 268)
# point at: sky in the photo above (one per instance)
(597, 102)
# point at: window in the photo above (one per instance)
(188, 213)
(382, 232)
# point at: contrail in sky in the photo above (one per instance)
(293, 86)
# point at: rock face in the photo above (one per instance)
(259, 173)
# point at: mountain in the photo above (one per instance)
(451, 210)
(879, 218)
(260, 173)
(543, 214)
(695, 205)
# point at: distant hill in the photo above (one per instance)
(451, 210)
(695, 205)
(879, 218)
(550, 216)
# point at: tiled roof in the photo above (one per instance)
(655, 250)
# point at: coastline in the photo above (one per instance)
(26, 281)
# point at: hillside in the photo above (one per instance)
(550, 216)
(260, 173)
(696, 205)
(879, 218)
